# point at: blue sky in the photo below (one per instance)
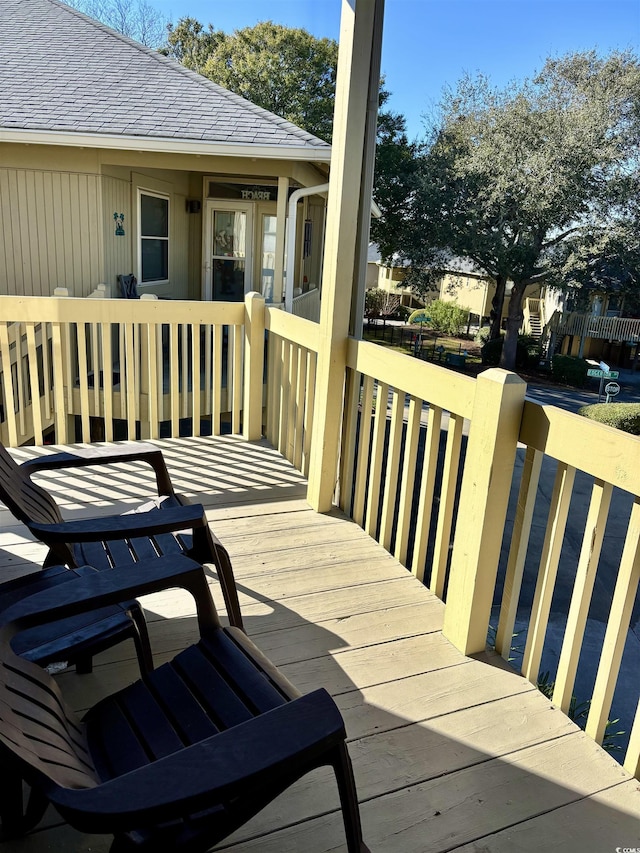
(428, 44)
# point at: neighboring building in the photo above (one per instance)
(607, 331)
(462, 284)
(116, 160)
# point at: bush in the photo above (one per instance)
(482, 335)
(569, 370)
(448, 317)
(492, 351)
(623, 416)
(533, 348)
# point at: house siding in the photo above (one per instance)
(50, 231)
(116, 198)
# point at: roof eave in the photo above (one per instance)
(162, 144)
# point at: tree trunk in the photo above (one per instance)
(497, 302)
(514, 324)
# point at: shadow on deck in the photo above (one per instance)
(450, 753)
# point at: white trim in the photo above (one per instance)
(140, 236)
(171, 146)
(210, 207)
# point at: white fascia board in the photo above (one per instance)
(164, 145)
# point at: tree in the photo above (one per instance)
(380, 303)
(283, 69)
(189, 43)
(510, 179)
(136, 19)
(291, 73)
(394, 180)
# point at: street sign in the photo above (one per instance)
(598, 374)
(612, 389)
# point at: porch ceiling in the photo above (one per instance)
(450, 753)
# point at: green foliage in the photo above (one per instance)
(579, 712)
(492, 352)
(533, 348)
(394, 180)
(569, 370)
(509, 178)
(622, 416)
(190, 44)
(291, 73)
(283, 69)
(483, 335)
(448, 317)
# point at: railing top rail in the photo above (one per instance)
(613, 456)
(299, 331)
(451, 391)
(41, 309)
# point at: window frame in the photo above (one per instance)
(165, 197)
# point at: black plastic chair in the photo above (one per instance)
(128, 286)
(170, 526)
(177, 761)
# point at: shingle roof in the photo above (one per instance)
(62, 71)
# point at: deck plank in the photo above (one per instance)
(450, 753)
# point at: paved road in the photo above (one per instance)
(626, 696)
(572, 399)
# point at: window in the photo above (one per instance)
(154, 237)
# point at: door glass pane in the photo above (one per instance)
(228, 280)
(229, 234)
(269, 259)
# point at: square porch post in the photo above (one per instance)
(358, 58)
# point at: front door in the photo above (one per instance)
(228, 243)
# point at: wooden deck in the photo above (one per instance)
(450, 753)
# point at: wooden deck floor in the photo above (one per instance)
(450, 753)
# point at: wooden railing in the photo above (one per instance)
(607, 459)
(124, 368)
(406, 479)
(421, 421)
(591, 326)
(427, 455)
(291, 368)
(307, 305)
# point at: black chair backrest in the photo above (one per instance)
(128, 286)
(26, 500)
(37, 727)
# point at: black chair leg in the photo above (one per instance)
(349, 800)
(141, 640)
(207, 546)
(84, 664)
(15, 819)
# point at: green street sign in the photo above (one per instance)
(598, 374)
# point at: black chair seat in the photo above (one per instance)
(168, 524)
(177, 761)
(73, 639)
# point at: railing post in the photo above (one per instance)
(339, 273)
(486, 483)
(253, 366)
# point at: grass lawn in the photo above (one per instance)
(402, 339)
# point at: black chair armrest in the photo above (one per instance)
(106, 456)
(290, 739)
(94, 590)
(149, 523)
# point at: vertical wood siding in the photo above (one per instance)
(116, 198)
(50, 232)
